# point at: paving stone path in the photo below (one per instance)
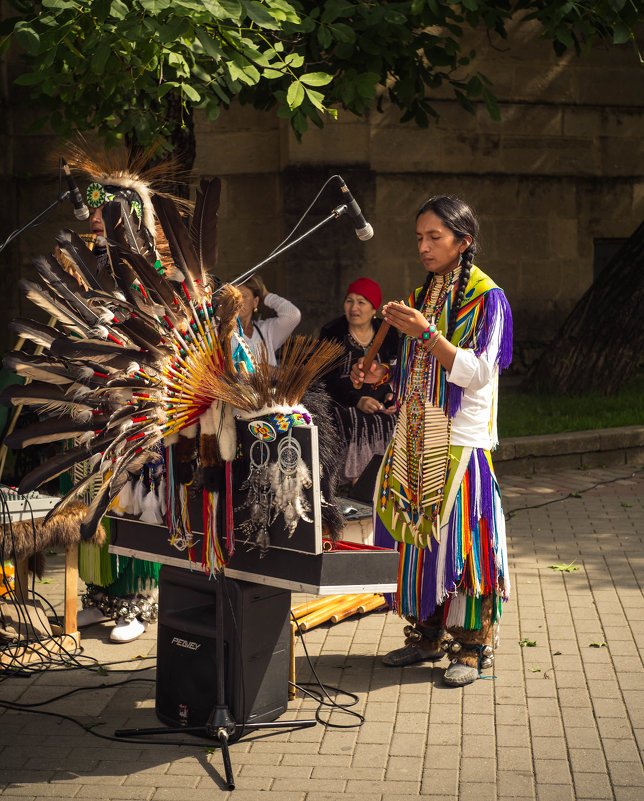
(562, 721)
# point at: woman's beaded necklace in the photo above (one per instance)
(361, 345)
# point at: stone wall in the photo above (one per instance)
(562, 168)
(580, 450)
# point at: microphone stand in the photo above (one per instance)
(220, 725)
(61, 197)
(334, 215)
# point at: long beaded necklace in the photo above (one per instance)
(416, 467)
(440, 288)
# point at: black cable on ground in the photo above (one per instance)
(54, 698)
(90, 728)
(322, 693)
(512, 512)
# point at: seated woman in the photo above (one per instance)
(364, 417)
(270, 332)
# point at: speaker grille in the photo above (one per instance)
(256, 649)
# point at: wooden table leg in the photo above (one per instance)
(71, 589)
(292, 692)
(21, 580)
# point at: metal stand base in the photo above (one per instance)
(220, 726)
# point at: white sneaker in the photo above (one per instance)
(128, 630)
(86, 617)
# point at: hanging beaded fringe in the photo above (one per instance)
(176, 517)
(212, 557)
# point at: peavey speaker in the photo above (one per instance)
(256, 643)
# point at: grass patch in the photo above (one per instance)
(527, 414)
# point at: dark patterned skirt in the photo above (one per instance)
(363, 436)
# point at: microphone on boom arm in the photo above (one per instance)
(364, 230)
(81, 212)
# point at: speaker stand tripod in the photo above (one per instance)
(220, 725)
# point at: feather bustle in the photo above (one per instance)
(83, 258)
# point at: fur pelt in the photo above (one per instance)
(22, 540)
(318, 403)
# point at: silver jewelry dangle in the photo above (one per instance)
(260, 496)
(289, 478)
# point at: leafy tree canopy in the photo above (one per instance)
(110, 64)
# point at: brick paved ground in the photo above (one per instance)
(563, 720)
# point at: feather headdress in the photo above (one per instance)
(137, 169)
(141, 368)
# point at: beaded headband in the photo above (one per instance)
(97, 194)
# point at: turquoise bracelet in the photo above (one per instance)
(428, 333)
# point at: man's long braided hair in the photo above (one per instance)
(459, 218)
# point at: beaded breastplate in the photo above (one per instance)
(418, 457)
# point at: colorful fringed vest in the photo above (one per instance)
(411, 496)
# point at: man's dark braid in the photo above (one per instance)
(464, 277)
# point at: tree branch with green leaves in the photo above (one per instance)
(109, 65)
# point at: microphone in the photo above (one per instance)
(364, 230)
(81, 212)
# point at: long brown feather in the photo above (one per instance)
(203, 228)
(116, 304)
(75, 249)
(151, 279)
(65, 286)
(37, 368)
(124, 276)
(139, 430)
(142, 334)
(181, 247)
(54, 430)
(40, 334)
(37, 393)
(132, 235)
(53, 306)
(99, 505)
(98, 350)
(58, 464)
(70, 496)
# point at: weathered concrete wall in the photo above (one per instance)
(563, 167)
